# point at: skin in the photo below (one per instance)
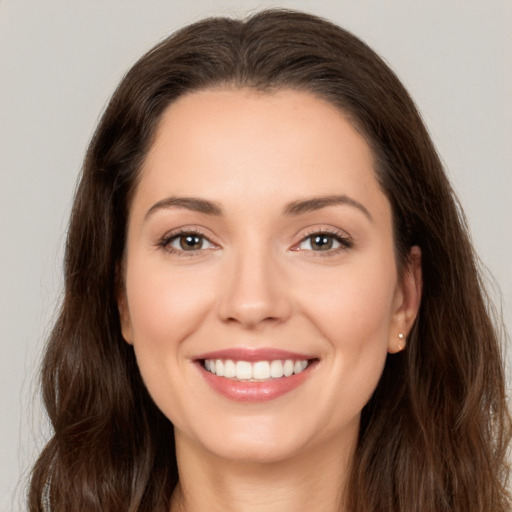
(257, 281)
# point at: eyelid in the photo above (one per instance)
(178, 237)
(341, 236)
(164, 241)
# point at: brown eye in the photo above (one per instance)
(324, 242)
(191, 242)
(187, 242)
(321, 242)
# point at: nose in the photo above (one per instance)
(254, 290)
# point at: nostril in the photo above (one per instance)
(252, 292)
(252, 320)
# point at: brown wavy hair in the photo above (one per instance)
(435, 434)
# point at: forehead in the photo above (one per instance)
(239, 143)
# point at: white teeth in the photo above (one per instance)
(288, 368)
(243, 370)
(258, 371)
(276, 369)
(261, 370)
(229, 369)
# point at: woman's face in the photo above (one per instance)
(261, 291)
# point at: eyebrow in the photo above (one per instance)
(189, 203)
(316, 203)
(294, 208)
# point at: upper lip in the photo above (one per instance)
(253, 355)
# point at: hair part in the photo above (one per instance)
(435, 433)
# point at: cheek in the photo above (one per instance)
(164, 305)
(353, 310)
(165, 308)
(354, 304)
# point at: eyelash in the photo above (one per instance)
(166, 240)
(344, 241)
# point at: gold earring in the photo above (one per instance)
(400, 346)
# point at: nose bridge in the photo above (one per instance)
(253, 290)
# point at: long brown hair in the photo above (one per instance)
(435, 434)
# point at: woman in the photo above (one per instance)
(271, 299)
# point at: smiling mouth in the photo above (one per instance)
(258, 371)
(255, 375)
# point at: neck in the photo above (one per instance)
(311, 480)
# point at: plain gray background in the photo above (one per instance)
(59, 63)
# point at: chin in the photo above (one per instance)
(256, 451)
(267, 440)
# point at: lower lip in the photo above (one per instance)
(243, 391)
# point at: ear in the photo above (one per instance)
(406, 302)
(122, 307)
(124, 317)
